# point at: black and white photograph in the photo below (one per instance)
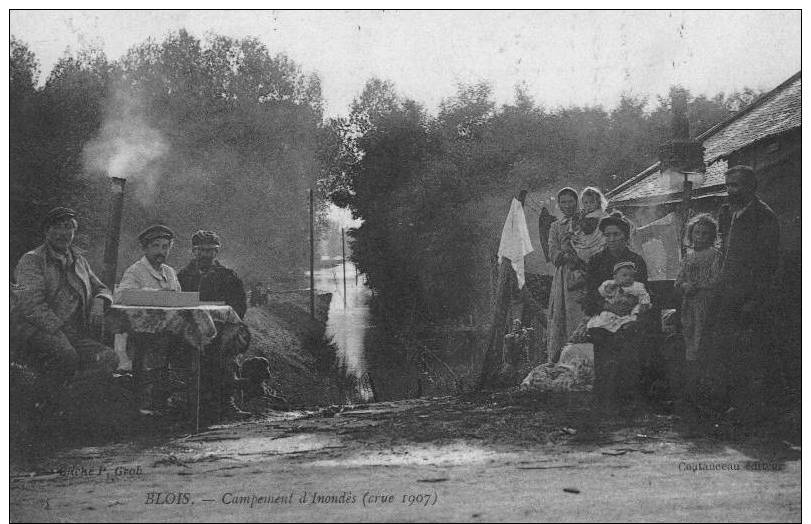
(372, 265)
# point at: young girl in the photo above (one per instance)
(585, 239)
(697, 276)
(627, 297)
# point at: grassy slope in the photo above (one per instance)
(300, 360)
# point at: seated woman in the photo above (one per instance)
(619, 355)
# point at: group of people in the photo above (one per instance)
(56, 311)
(600, 294)
(599, 291)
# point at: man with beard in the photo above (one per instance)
(217, 283)
(205, 274)
(740, 318)
(54, 311)
(151, 273)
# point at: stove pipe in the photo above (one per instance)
(113, 231)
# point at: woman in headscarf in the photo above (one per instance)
(618, 357)
(568, 283)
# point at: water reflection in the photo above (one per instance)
(348, 321)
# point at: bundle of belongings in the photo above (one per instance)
(573, 372)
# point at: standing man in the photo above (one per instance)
(54, 313)
(217, 283)
(739, 350)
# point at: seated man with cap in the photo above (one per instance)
(54, 311)
(217, 283)
(205, 274)
(151, 273)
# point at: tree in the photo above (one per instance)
(51, 125)
(24, 138)
(215, 134)
(23, 69)
(433, 192)
(242, 131)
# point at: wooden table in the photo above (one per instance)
(197, 325)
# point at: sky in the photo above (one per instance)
(561, 57)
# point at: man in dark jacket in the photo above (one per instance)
(741, 320)
(54, 309)
(214, 281)
(217, 283)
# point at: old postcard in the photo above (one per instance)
(405, 265)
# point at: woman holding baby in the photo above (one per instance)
(617, 303)
(573, 240)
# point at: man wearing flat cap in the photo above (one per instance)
(217, 283)
(54, 311)
(151, 272)
(205, 274)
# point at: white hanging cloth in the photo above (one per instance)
(515, 242)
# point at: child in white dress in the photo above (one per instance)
(628, 298)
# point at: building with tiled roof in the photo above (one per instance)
(766, 135)
(775, 114)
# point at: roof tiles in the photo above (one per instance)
(776, 112)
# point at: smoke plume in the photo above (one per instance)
(127, 147)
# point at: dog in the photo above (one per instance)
(257, 396)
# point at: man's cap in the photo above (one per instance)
(56, 215)
(153, 232)
(620, 265)
(616, 219)
(204, 238)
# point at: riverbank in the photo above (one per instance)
(506, 456)
(302, 362)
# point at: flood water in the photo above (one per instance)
(348, 322)
(378, 365)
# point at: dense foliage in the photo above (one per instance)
(433, 191)
(220, 134)
(216, 134)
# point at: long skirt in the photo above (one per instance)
(694, 313)
(619, 359)
(565, 313)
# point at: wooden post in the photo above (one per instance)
(343, 256)
(198, 364)
(687, 195)
(312, 257)
(500, 310)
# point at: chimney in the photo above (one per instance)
(113, 231)
(681, 159)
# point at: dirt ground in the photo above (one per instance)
(499, 457)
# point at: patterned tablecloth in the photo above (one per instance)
(196, 324)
